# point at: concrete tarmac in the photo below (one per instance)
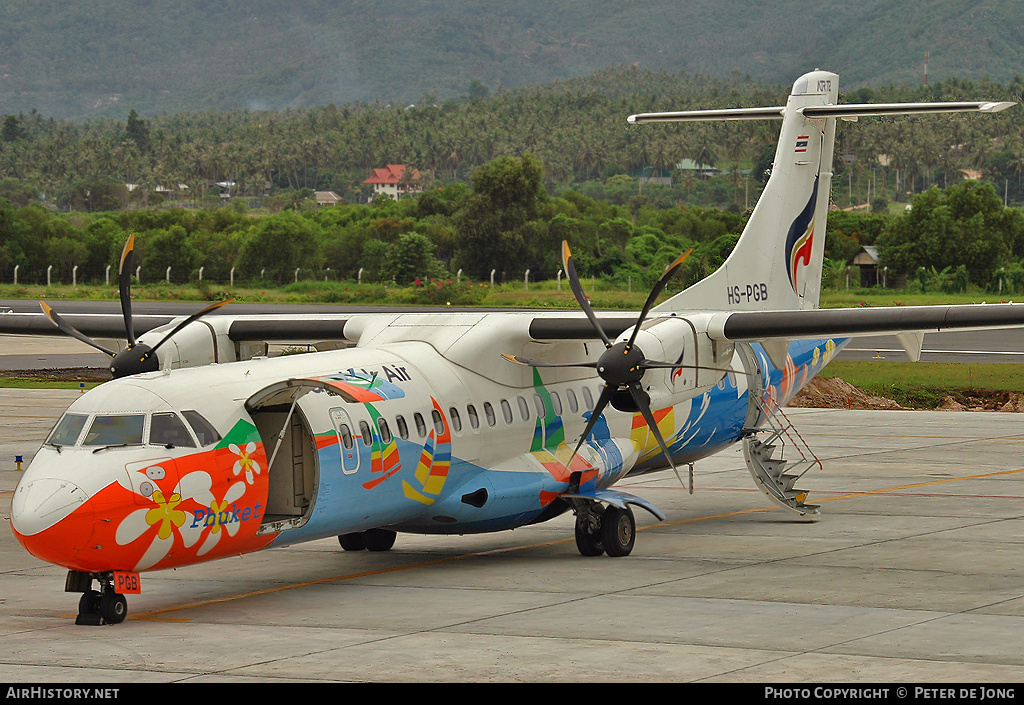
(913, 574)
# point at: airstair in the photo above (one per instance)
(774, 473)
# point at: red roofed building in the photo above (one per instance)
(391, 181)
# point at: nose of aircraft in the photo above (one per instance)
(39, 506)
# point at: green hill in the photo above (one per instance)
(99, 59)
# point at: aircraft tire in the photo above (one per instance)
(618, 531)
(379, 539)
(113, 608)
(588, 542)
(89, 602)
(352, 542)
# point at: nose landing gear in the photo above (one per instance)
(96, 607)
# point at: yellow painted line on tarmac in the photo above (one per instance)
(916, 485)
(849, 495)
(1017, 437)
(156, 615)
(324, 581)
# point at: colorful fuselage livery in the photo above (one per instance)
(378, 444)
(455, 423)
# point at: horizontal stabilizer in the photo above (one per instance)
(850, 111)
(881, 109)
(773, 113)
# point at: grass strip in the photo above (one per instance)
(40, 383)
(924, 384)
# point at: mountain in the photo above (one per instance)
(105, 57)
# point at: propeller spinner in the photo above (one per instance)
(622, 365)
(137, 357)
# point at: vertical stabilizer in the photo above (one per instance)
(777, 262)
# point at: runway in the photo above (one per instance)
(913, 574)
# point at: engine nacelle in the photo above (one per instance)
(202, 342)
(678, 339)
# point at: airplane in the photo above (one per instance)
(458, 422)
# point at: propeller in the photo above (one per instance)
(137, 357)
(622, 365)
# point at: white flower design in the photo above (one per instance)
(196, 486)
(245, 461)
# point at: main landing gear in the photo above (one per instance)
(611, 531)
(96, 607)
(371, 540)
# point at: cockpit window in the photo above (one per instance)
(67, 430)
(116, 430)
(204, 430)
(168, 430)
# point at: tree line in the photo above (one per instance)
(575, 128)
(504, 220)
(502, 223)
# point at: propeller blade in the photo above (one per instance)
(190, 319)
(577, 291)
(643, 401)
(124, 280)
(536, 363)
(602, 402)
(655, 293)
(68, 329)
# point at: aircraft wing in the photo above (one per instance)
(266, 327)
(726, 325)
(774, 329)
(294, 327)
(844, 322)
(95, 325)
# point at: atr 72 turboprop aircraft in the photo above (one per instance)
(458, 422)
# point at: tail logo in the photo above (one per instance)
(800, 239)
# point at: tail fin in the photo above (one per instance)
(777, 262)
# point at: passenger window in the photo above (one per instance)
(385, 432)
(556, 403)
(168, 430)
(67, 430)
(346, 436)
(524, 409)
(474, 420)
(116, 430)
(453, 413)
(438, 422)
(364, 431)
(539, 403)
(203, 429)
(489, 413)
(574, 405)
(588, 398)
(421, 426)
(403, 429)
(506, 410)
